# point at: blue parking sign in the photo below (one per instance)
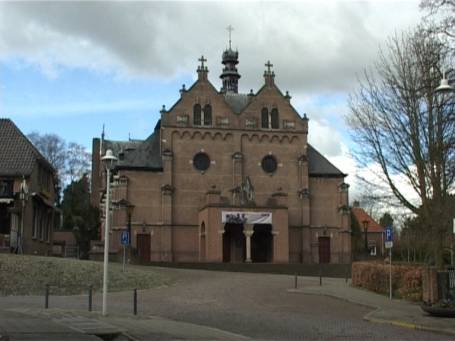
(389, 234)
(125, 238)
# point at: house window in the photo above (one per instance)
(275, 122)
(6, 189)
(197, 115)
(207, 115)
(265, 118)
(36, 221)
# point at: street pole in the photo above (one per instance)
(106, 243)
(124, 257)
(390, 273)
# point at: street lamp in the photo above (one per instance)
(365, 234)
(23, 196)
(444, 87)
(109, 161)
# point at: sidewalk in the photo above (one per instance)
(396, 312)
(68, 325)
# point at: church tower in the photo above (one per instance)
(230, 76)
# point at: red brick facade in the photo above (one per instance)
(216, 152)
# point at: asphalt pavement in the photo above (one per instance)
(222, 305)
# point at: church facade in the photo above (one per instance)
(227, 177)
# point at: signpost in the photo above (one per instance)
(124, 240)
(389, 244)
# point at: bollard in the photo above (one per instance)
(320, 274)
(90, 297)
(347, 274)
(295, 281)
(46, 297)
(135, 302)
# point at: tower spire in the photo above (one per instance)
(230, 59)
(230, 29)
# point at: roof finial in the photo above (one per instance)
(230, 29)
(202, 60)
(269, 66)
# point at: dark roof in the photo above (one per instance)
(237, 102)
(18, 155)
(318, 165)
(138, 154)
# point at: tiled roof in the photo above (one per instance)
(138, 154)
(18, 156)
(318, 165)
(360, 215)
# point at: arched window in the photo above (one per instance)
(274, 118)
(207, 115)
(197, 115)
(265, 118)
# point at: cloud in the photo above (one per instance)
(313, 45)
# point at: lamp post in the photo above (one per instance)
(445, 87)
(23, 196)
(109, 161)
(365, 234)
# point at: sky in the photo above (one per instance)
(70, 67)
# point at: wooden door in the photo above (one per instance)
(143, 247)
(324, 249)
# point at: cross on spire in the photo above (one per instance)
(230, 29)
(202, 60)
(269, 66)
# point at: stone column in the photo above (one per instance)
(248, 232)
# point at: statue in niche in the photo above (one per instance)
(244, 194)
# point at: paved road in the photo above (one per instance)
(254, 305)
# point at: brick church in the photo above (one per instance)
(227, 177)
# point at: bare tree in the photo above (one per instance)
(407, 130)
(53, 148)
(78, 161)
(70, 160)
(440, 16)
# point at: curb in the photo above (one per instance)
(367, 317)
(408, 325)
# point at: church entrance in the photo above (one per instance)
(262, 244)
(324, 250)
(233, 243)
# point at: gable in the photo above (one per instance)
(271, 97)
(202, 92)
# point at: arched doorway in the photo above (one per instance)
(233, 243)
(262, 244)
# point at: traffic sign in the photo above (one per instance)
(125, 238)
(389, 234)
(388, 237)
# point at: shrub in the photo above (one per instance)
(374, 276)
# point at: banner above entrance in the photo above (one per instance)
(238, 217)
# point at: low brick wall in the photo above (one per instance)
(374, 276)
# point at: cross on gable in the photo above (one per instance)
(269, 66)
(202, 60)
